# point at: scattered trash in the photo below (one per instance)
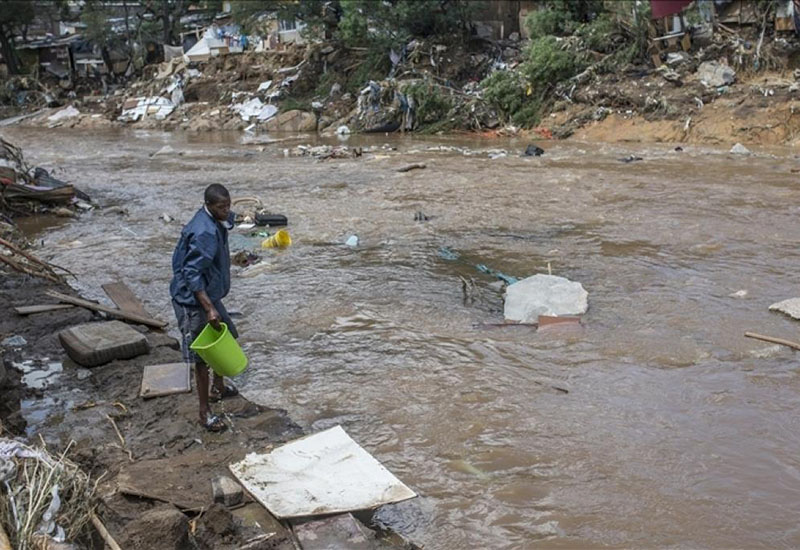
(630, 158)
(323, 473)
(342, 130)
(263, 218)
(678, 149)
(533, 151)
(167, 218)
(420, 217)
(743, 293)
(281, 239)
(714, 74)
(739, 149)
(244, 258)
(254, 108)
(166, 150)
(549, 321)
(544, 295)
(264, 86)
(245, 226)
(14, 342)
(790, 307)
(410, 167)
(352, 241)
(63, 114)
(140, 107)
(495, 156)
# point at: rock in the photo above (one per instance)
(326, 50)
(715, 74)
(533, 151)
(790, 307)
(219, 520)
(162, 528)
(514, 37)
(544, 295)
(226, 491)
(292, 121)
(740, 149)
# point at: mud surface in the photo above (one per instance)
(673, 422)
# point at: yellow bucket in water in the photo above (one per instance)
(220, 351)
(281, 239)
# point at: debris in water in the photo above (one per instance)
(541, 294)
(790, 307)
(534, 151)
(740, 149)
(630, 158)
(352, 240)
(14, 342)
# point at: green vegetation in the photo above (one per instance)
(430, 103)
(563, 32)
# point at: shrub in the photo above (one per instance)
(505, 92)
(431, 104)
(544, 22)
(548, 64)
(598, 35)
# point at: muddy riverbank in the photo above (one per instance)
(673, 421)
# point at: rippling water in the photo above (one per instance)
(677, 432)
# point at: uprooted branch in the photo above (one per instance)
(29, 264)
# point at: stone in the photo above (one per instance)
(544, 295)
(715, 74)
(740, 149)
(162, 528)
(226, 491)
(292, 121)
(219, 520)
(790, 307)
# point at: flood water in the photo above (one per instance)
(677, 432)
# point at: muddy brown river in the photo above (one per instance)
(677, 432)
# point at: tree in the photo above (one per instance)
(170, 12)
(15, 16)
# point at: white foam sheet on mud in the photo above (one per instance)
(323, 473)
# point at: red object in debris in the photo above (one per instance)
(663, 8)
(545, 133)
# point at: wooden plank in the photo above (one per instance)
(125, 299)
(167, 379)
(150, 322)
(44, 308)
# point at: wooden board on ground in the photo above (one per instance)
(44, 308)
(167, 379)
(143, 320)
(183, 480)
(124, 298)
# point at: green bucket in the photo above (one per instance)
(220, 350)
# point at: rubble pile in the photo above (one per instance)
(428, 87)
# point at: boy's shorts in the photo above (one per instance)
(192, 321)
